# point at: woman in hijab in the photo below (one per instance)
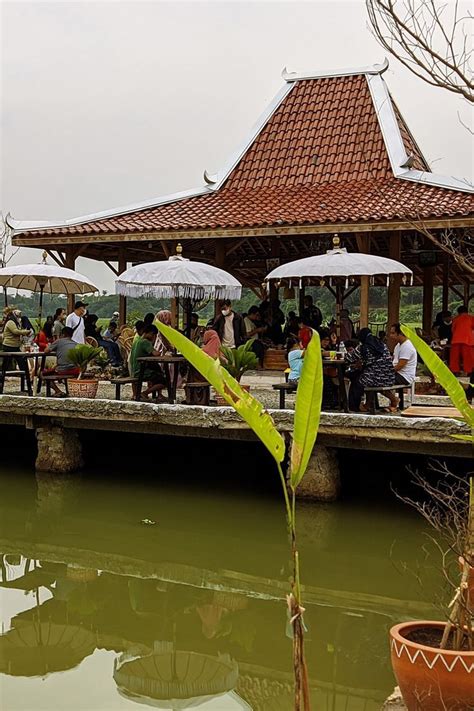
(211, 343)
(375, 368)
(162, 345)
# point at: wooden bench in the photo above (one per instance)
(387, 388)
(197, 393)
(118, 382)
(48, 379)
(284, 388)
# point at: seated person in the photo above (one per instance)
(111, 332)
(92, 330)
(295, 355)
(330, 384)
(405, 360)
(442, 329)
(139, 326)
(374, 368)
(153, 374)
(63, 365)
(333, 341)
(195, 331)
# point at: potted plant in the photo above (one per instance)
(433, 661)
(237, 361)
(81, 356)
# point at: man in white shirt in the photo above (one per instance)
(75, 320)
(404, 360)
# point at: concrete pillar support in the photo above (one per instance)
(59, 450)
(322, 480)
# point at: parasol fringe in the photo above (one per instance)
(178, 291)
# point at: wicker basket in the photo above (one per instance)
(83, 388)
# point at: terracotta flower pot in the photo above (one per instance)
(431, 679)
(83, 388)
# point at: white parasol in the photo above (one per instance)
(178, 278)
(45, 278)
(337, 263)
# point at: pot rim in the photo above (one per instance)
(84, 380)
(396, 634)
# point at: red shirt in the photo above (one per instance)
(463, 330)
(42, 341)
(305, 334)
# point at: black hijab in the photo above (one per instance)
(370, 343)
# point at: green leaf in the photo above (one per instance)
(307, 410)
(442, 375)
(250, 409)
(465, 438)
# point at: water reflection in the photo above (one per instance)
(192, 609)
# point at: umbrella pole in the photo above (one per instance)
(339, 305)
(40, 312)
(5, 295)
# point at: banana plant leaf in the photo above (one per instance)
(250, 409)
(307, 410)
(442, 375)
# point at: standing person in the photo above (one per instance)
(61, 347)
(311, 313)
(346, 326)
(405, 360)
(162, 345)
(75, 320)
(58, 322)
(253, 330)
(462, 342)
(305, 332)
(12, 335)
(230, 326)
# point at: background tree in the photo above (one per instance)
(430, 38)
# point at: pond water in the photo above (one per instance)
(119, 589)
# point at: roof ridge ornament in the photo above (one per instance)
(372, 69)
(210, 179)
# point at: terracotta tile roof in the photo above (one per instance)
(321, 157)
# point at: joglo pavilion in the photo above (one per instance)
(330, 154)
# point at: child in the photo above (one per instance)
(295, 359)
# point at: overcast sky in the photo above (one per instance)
(109, 103)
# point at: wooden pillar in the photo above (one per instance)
(70, 262)
(445, 298)
(428, 274)
(122, 266)
(219, 258)
(393, 308)
(363, 245)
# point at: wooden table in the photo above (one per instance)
(37, 355)
(171, 380)
(341, 369)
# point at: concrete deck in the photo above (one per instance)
(432, 436)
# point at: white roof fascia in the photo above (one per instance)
(257, 128)
(373, 69)
(394, 143)
(27, 226)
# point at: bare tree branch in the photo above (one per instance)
(427, 37)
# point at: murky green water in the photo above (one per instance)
(101, 611)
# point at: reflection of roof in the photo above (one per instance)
(329, 148)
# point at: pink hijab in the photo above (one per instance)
(211, 343)
(162, 345)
